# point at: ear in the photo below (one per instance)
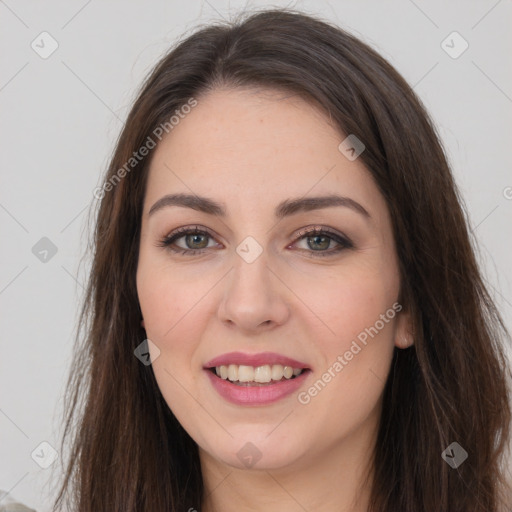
(404, 337)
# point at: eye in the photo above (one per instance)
(319, 239)
(197, 241)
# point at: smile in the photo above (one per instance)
(244, 375)
(255, 379)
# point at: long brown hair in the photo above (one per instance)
(128, 451)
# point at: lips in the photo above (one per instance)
(261, 359)
(250, 391)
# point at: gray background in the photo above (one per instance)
(61, 116)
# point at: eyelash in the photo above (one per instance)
(344, 242)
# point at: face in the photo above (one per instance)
(295, 297)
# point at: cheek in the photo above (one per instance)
(167, 307)
(172, 310)
(349, 303)
(357, 346)
(176, 307)
(169, 300)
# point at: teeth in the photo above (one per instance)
(245, 373)
(233, 372)
(277, 372)
(262, 374)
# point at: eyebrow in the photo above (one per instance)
(284, 209)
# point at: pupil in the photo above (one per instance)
(316, 238)
(194, 238)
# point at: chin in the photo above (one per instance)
(256, 450)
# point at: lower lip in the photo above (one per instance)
(256, 395)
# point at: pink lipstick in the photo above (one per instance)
(255, 379)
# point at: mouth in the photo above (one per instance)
(255, 379)
(256, 376)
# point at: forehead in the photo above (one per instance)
(256, 145)
(246, 123)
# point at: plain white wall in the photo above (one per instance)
(61, 116)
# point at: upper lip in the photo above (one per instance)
(263, 358)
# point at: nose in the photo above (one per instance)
(254, 298)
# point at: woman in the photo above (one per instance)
(284, 310)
